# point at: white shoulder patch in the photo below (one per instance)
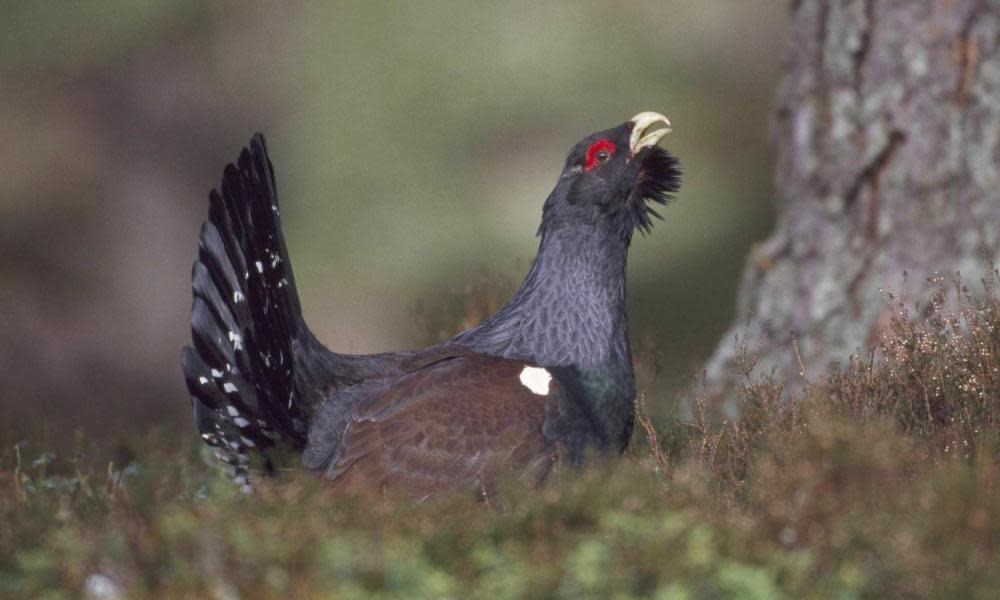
(536, 379)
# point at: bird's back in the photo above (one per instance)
(462, 423)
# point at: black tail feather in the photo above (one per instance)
(245, 318)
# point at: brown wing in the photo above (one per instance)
(460, 423)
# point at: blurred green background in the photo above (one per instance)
(414, 144)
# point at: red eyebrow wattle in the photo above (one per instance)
(601, 144)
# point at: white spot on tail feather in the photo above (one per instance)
(536, 379)
(259, 265)
(228, 388)
(238, 297)
(237, 340)
(216, 373)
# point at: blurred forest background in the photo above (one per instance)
(413, 145)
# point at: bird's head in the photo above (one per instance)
(611, 176)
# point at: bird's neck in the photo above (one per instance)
(570, 311)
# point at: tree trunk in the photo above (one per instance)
(888, 139)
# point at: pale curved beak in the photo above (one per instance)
(641, 136)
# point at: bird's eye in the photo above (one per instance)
(598, 152)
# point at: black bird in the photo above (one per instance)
(548, 377)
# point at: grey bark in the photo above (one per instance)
(887, 130)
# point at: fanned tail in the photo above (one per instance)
(245, 319)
